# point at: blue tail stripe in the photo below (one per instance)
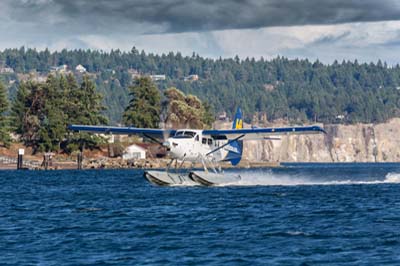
(238, 120)
(233, 156)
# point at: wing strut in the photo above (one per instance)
(153, 139)
(226, 144)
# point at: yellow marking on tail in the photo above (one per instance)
(239, 124)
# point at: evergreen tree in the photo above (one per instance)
(90, 104)
(37, 115)
(4, 122)
(27, 111)
(52, 119)
(83, 106)
(283, 88)
(42, 111)
(19, 109)
(145, 104)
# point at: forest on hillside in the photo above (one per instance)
(295, 90)
(41, 112)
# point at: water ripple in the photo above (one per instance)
(342, 217)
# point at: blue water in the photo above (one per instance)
(300, 215)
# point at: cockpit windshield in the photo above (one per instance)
(184, 135)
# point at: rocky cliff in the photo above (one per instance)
(342, 143)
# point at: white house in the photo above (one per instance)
(81, 69)
(6, 70)
(134, 152)
(60, 68)
(340, 117)
(191, 78)
(39, 78)
(157, 77)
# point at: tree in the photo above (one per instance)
(38, 117)
(26, 110)
(19, 109)
(42, 111)
(83, 105)
(53, 123)
(186, 110)
(88, 103)
(4, 122)
(283, 88)
(145, 105)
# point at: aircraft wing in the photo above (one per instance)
(262, 133)
(144, 132)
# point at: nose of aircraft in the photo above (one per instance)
(171, 147)
(167, 145)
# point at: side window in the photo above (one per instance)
(204, 140)
(209, 141)
(179, 134)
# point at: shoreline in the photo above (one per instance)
(108, 163)
(119, 164)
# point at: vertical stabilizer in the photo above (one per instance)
(238, 120)
(236, 147)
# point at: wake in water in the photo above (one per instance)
(269, 178)
(348, 174)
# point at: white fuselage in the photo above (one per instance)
(190, 145)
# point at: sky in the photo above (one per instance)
(327, 30)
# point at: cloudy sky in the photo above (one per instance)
(366, 30)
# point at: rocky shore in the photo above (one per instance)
(342, 143)
(119, 163)
(108, 163)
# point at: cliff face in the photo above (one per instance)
(342, 143)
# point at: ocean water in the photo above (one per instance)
(303, 214)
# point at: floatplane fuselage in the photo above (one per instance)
(191, 145)
(208, 147)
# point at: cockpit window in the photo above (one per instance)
(184, 135)
(179, 134)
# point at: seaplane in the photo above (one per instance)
(209, 147)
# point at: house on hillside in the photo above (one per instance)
(157, 77)
(80, 69)
(133, 152)
(134, 73)
(223, 117)
(6, 70)
(59, 69)
(39, 78)
(191, 78)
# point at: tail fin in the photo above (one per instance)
(238, 120)
(236, 147)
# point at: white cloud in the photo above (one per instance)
(185, 43)
(363, 41)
